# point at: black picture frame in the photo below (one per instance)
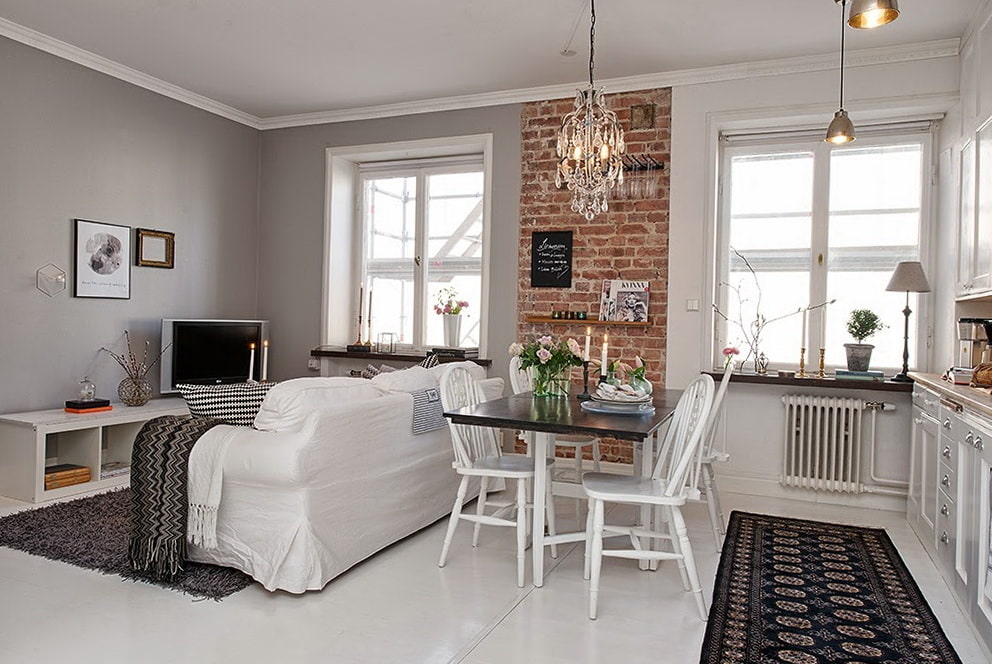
(101, 260)
(551, 259)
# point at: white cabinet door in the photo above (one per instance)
(980, 590)
(922, 502)
(982, 274)
(966, 221)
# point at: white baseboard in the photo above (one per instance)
(772, 489)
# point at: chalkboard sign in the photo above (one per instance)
(551, 259)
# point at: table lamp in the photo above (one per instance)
(909, 277)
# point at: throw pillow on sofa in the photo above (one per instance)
(236, 403)
(288, 405)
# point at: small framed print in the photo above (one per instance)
(102, 260)
(155, 248)
(642, 116)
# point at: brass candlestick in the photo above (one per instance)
(802, 364)
(819, 374)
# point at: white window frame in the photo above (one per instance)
(922, 132)
(343, 257)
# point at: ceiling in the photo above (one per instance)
(270, 59)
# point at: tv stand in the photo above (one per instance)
(30, 441)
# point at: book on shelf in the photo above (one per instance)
(448, 351)
(63, 468)
(71, 481)
(77, 411)
(114, 469)
(86, 404)
(622, 300)
(845, 374)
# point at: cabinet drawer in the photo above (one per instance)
(948, 451)
(928, 401)
(946, 532)
(947, 482)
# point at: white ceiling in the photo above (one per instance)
(276, 58)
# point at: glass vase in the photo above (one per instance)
(548, 382)
(640, 383)
(134, 391)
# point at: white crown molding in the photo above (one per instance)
(43, 42)
(983, 13)
(882, 55)
(875, 56)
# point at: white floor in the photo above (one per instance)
(400, 607)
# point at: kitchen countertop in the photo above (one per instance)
(977, 399)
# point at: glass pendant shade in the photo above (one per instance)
(872, 13)
(590, 145)
(841, 129)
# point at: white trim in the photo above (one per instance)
(883, 55)
(61, 49)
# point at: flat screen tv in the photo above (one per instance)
(210, 351)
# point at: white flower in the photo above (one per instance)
(516, 348)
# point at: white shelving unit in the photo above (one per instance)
(31, 441)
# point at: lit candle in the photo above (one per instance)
(802, 343)
(602, 367)
(588, 333)
(251, 362)
(265, 360)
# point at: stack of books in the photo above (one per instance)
(844, 374)
(113, 469)
(65, 474)
(448, 351)
(87, 405)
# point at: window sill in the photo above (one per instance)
(826, 382)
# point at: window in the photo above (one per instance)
(422, 233)
(803, 223)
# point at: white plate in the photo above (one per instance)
(645, 399)
(614, 408)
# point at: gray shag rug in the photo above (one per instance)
(93, 533)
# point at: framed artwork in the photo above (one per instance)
(155, 248)
(102, 260)
(642, 116)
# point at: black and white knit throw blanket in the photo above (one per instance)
(159, 474)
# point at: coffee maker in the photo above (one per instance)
(973, 341)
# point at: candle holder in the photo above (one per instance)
(802, 364)
(820, 374)
(585, 396)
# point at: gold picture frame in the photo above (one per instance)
(155, 248)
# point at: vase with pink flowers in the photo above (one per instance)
(549, 364)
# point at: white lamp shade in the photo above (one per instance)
(909, 277)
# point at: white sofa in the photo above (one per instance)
(331, 474)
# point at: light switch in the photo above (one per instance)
(692, 305)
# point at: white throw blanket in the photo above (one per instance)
(206, 474)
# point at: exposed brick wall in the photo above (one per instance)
(628, 242)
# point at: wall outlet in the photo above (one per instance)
(313, 363)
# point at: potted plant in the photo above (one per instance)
(861, 324)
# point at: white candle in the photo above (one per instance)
(370, 315)
(803, 340)
(588, 337)
(602, 367)
(265, 360)
(251, 362)
(823, 328)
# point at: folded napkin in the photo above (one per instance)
(622, 392)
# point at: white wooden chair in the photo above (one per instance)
(710, 455)
(520, 381)
(672, 483)
(478, 454)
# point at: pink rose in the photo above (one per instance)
(731, 350)
(463, 303)
(545, 341)
(544, 355)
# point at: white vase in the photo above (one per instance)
(452, 329)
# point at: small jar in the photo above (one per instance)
(87, 390)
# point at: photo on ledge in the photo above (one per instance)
(624, 301)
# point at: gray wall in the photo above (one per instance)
(77, 144)
(292, 222)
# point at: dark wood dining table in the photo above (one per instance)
(548, 416)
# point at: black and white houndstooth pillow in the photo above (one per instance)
(237, 403)
(430, 361)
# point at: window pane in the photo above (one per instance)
(454, 239)
(392, 307)
(390, 217)
(770, 213)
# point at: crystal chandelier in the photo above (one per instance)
(590, 145)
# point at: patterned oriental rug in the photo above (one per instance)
(93, 533)
(804, 592)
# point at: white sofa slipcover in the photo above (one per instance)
(338, 477)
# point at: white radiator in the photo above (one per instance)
(822, 443)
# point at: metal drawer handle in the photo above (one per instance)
(979, 445)
(946, 481)
(944, 539)
(946, 452)
(953, 405)
(944, 511)
(968, 437)
(947, 423)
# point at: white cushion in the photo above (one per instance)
(288, 404)
(411, 379)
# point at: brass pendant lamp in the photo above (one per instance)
(590, 145)
(872, 13)
(841, 129)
